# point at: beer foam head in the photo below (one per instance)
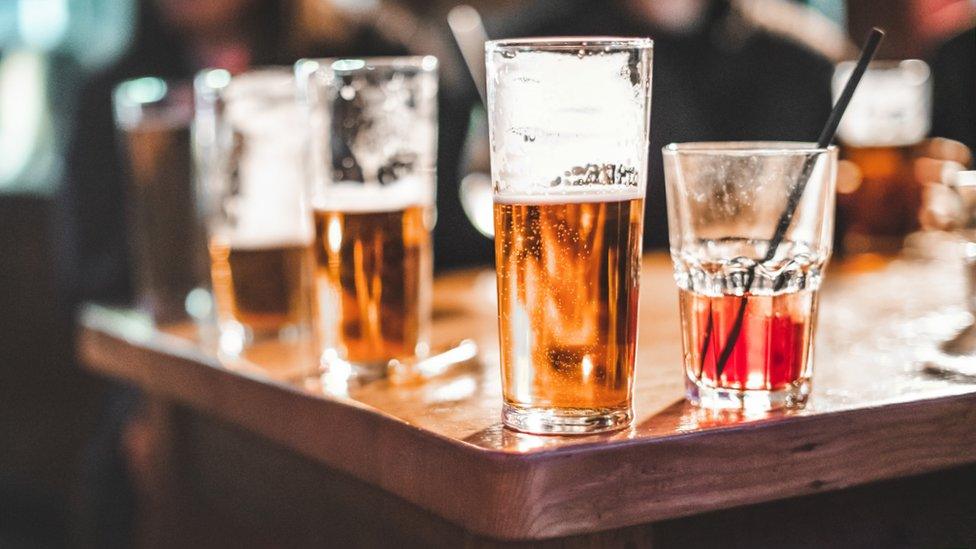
(354, 197)
(555, 114)
(573, 196)
(892, 105)
(262, 105)
(267, 120)
(271, 215)
(265, 240)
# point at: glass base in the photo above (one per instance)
(565, 421)
(752, 400)
(330, 363)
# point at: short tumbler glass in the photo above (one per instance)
(748, 272)
(568, 121)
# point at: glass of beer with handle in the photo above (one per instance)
(888, 118)
(373, 151)
(250, 145)
(568, 124)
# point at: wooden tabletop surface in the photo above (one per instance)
(875, 413)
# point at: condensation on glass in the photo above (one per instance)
(166, 238)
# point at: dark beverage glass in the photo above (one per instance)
(166, 236)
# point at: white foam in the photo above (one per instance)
(619, 194)
(264, 242)
(262, 105)
(262, 235)
(353, 197)
(890, 107)
(268, 209)
(548, 107)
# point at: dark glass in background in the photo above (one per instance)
(166, 238)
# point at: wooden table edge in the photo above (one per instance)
(482, 509)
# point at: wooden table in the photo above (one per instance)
(430, 463)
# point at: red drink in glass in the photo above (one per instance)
(771, 353)
(750, 226)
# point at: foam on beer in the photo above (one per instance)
(268, 209)
(354, 197)
(555, 111)
(891, 107)
(578, 195)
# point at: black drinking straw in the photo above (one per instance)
(826, 136)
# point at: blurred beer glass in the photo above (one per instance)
(373, 154)
(250, 142)
(568, 119)
(889, 115)
(167, 240)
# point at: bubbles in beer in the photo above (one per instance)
(597, 174)
(374, 269)
(568, 270)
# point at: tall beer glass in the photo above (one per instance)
(568, 121)
(166, 239)
(373, 151)
(250, 143)
(887, 118)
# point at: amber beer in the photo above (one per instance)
(883, 209)
(374, 272)
(568, 270)
(883, 127)
(266, 289)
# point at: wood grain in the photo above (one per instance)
(874, 415)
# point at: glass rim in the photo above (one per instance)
(216, 80)
(425, 63)
(747, 148)
(569, 43)
(163, 89)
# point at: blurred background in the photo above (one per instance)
(70, 444)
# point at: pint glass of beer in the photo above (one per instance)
(166, 239)
(886, 120)
(250, 141)
(568, 122)
(373, 141)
